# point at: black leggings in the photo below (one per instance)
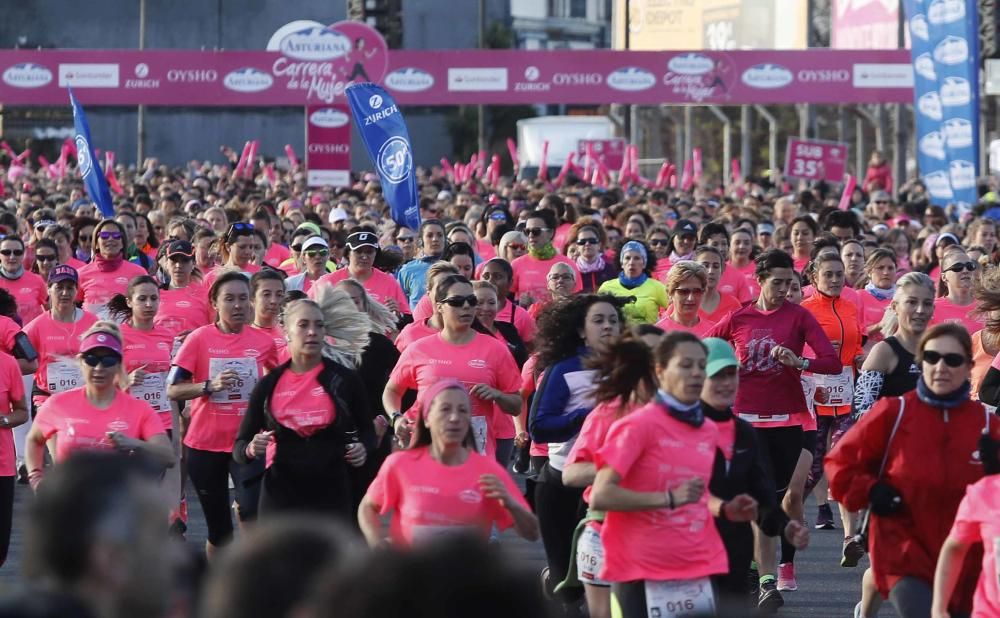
(209, 472)
(6, 514)
(559, 509)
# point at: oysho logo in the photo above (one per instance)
(932, 145)
(375, 101)
(578, 79)
(812, 76)
(946, 11)
(631, 79)
(409, 80)
(690, 64)
(198, 76)
(329, 118)
(27, 75)
(315, 43)
(924, 66)
(952, 50)
(247, 79)
(767, 76)
(963, 174)
(958, 133)
(930, 106)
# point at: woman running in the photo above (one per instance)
(686, 285)
(109, 273)
(715, 304)
(236, 252)
(267, 291)
(184, 302)
(634, 280)
(956, 290)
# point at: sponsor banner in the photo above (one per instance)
(610, 151)
(328, 145)
(454, 77)
(815, 160)
(865, 24)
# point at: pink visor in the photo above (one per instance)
(100, 340)
(427, 397)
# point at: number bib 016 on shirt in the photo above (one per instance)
(839, 387)
(689, 597)
(63, 375)
(240, 391)
(152, 390)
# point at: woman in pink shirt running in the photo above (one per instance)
(442, 486)
(109, 272)
(956, 300)
(184, 301)
(267, 289)
(236, 251)
(686, 285)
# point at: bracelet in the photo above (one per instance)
(670, 500)
(394, 417)
(206, 388)
(805, 363)
(722, 511)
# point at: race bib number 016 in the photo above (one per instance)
(63, 375)
(689, 597)
(239, 392)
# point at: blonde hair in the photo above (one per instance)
(345, 329)
(111, 329)
(382, 318)
(438, 268)
(890, 321)
(484, 285)
(684, 270)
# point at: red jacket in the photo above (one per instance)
(881, 174)
(933, 457)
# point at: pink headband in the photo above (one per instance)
(428, 396)
(100, 340)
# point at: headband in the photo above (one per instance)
(434, 390)
(636, 246)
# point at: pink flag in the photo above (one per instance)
(494, 176)
(512, 149)
(45, 165)
(565, 169)
(633, 156)
(64, 155)
(470, 169)
(696, 158)
(272, 179)
(10, 151)
(448, 169)
(109, 173)
(459, 172)
(849, 186)
(290, 153)
(661, 176)
(242, 163)
(737, 174)
(686, 177)
(251, 165)
(625, 173)
(481, 160)
(71, 145)
(543, 167)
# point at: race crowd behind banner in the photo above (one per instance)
(669, 367)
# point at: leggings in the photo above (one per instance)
(209, 472)
(6, 514)
(559, 509)
(505, 450)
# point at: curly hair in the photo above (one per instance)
(624, 371)
(559, 326)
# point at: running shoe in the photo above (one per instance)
(754, 583)
(824, 518)
(786, 577)
(853, 551)
(546, 582)
(770, 599)
(857, 611)
(22, 474)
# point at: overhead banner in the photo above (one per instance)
(864, 24)
(328, 145)
(945, 39)
(457, 77)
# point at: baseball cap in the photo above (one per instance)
(765, 228)
(308, 226)
(180, 247)
(720, 355)
(94, 341)
(314, 241)
(337, 215)
(63, 272)
(685, 227)
(362, 239)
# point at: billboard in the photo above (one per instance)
(865, 24)
(655, 25)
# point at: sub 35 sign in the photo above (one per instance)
(815, 160)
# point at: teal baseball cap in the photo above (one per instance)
(720, 355)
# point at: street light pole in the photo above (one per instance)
(481, 110)
(140, 130)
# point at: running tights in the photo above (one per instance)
(559, 509)
(209, 472)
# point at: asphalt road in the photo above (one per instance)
(826, 590)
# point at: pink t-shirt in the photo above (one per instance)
(734, 283)
(562, 233)
(277, 335)
(428, 499)
(523, 322)
(485, 250)
(8, 331)
(748, 274)
(184, 309)
(593, 433)
(207, 352)
(528, 387)
(250, 270)
(502, 422)
(30, 293)
(11, 389)
(484, 360)
(978, 520)
(276, 254)
(150, 349)
(77, 424)
(653, 452)
(380, 286)
(424, 309)
(57, 344)
(703, 326)
(97, 287)
(872, 310)
(947, 311)
(414, 331)
(531, 276)
(727, 304)
(300, 403)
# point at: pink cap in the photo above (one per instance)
(427, 397)
(100, 340)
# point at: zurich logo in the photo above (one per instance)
(955, 91)
(315, 43)
(531, 73)
(631, 79)
(394, 160)
(929, 105)
(958, 133)
(27, 75)
(690, 64)
(375, 101)
(932, 145)
(248, 79)
(924, 66)
(409, 80)
(142, 70)
(767, 76)
(952, 50)
(329, 118)
(83, 156)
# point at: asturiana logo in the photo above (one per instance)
(932, 145)
(924, 66)
(409, 79)
(631, 79)
(27, 75)
(329, 118)
(958, 133)
(955, 91)
(767, 76)
(691, 64)
(315, 43)
(946, 11)
(248, 79)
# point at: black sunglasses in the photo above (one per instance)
(460, 301)
(952, 359)
(10, 252)
(962, 266)
(536, 231)
(659, 242)
(107, 361)
(587, 241)
(44, 258)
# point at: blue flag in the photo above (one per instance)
(90, 168)
(387, 141)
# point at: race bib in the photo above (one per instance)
(479, 432)
(839, 387)
(152, 390)
(63, 375)
(688, 597)
(764, 418)
(240, 391)
(427, 533)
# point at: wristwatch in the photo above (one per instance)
(206, 388)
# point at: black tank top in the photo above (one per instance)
(903, 378)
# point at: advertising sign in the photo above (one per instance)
(328, 145)
(815, 160)
(610, 151)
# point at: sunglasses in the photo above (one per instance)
(405, 239)
(110, 235)
(516, 246)
(44, 258)
(962, 266)
(460, 301)
(587, 241)
(536, 231)
(952, 359)
(689, 291)
(10, 252)
(498, 216)
(659, 242)
(881, 201)
(317, 253)
(107, 361)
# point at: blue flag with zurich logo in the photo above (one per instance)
(387, 141)
(90, 169)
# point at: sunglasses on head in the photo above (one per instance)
(44, 258)
(107, 360)
(498, 216)
(110, 235)
(536, 231)
(460, 301)
(952, 359)
(962, 266)
(238, 229)
(587, 241)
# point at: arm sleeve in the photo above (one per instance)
(253, 419)
(989, 390)
(23, 349)
(852, 466)
(868, 389)
(549, 422)
(827, 361)
(353, 391)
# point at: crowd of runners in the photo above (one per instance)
(669, 375)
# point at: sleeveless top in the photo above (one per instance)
(903, 378)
